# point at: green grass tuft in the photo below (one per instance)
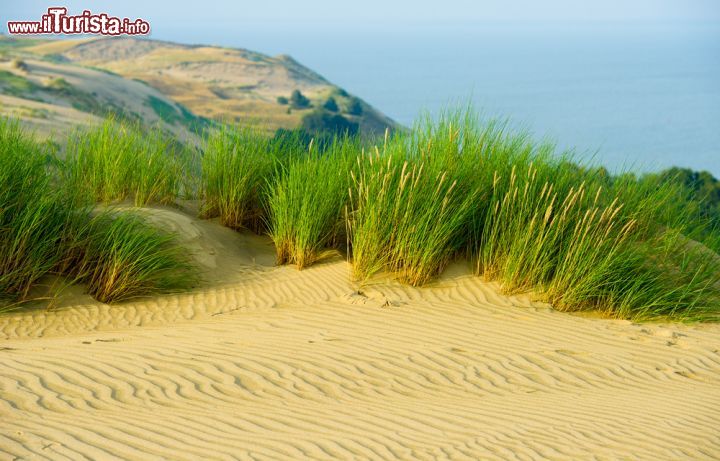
(306, 202)
(119, 256)
(408, 213)
(47, 227)
(237, 165)
(33, 216)
(119, 161)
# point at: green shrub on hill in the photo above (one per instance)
(354, 107)
(298, 100)
(320, 122)
(330, 105)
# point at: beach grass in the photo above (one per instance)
(119, 161)
(454, 186)
(118, 255)
(529, 217)
(306, 201)
(236, 165)
(409, 210)
(33, 216)
(48, 225)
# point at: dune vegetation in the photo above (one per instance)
(235, 166)
(34, 218)
(118, 255)
(49, 225)
(120, 161)
(409, 204)
(307, 199)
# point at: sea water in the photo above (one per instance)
(641, 97)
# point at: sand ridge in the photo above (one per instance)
(274, 363)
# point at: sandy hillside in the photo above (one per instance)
(229, 84)
(43, 119)
(52, 98)
(272, 363)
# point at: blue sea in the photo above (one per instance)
(639, 97)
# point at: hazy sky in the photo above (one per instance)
(167, 18)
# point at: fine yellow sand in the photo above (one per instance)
(273, 363)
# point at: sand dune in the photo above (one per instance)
(85, 96)
(272, 363)
(215, 82)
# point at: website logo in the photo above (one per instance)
(57, 21)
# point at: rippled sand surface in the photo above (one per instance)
(273, 363)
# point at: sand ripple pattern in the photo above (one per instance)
(304, 365)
